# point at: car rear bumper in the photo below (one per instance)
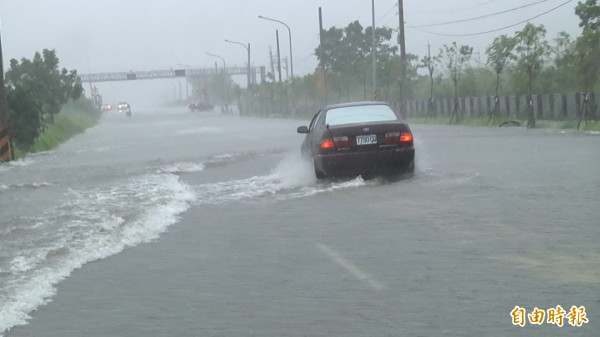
(383, 161)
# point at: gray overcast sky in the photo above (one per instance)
(123, 35)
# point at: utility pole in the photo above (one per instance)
(321, 49)
(278, 55)
(430, 69)
(248, 69)
(3, 104)
(322, 78)
(401, 38)
(6, 150)
(374, 48)
(403, 65)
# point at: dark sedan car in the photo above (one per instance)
(360, 138)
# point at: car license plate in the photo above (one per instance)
(366, 139)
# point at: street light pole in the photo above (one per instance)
(278, 55)
(224, 80)
(290, 36)
(247, 50)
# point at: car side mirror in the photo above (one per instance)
(302, 129)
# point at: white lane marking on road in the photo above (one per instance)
(351, 267)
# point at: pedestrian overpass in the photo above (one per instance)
(197, 73)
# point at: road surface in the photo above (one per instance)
(173, 223)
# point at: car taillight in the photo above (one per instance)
(341, 141)
(406, 137)
(398, 137)
(391, 137)
(327, 144)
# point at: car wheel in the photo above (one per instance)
(319, 174)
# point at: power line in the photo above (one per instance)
(305, 58)
(479, 5)
(482, 4)
(503, 28)
(460, 9)
(388, 13)
(479, 17)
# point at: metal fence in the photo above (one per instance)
(546, 107)
(557, 107)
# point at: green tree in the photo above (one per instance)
(498, 57)
(25, 115)
(559, 73)
(389, 68)
(408, 73)
(337, 55)
(53, 86)
(454, 59)
(587, 45)
(589, 14)
(387, 62)
(477, 81)
(221, 87)
(530, 52)
(332, 51)
(429, 62)
(587, 54)
(307, 93)
(347, 52)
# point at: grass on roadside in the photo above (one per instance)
(446, 121)
(540, 124)
(74, 118)
(590, 126)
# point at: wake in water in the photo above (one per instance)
(33, 185)
(292, 178)
(4, 167)
(94, 223)
(89, 225)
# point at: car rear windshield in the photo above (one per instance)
(360, 114)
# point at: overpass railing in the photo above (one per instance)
(171, 73)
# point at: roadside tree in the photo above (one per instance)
(589, 14)
(498, 57)
(454, 58)
(53, 86)
(25, 116)
(530, 53)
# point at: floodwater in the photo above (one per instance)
(203, 224)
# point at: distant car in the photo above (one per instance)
(105, 107)
(359, 138)
(201, 106)
(124, 107)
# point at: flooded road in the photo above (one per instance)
(202, 224)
